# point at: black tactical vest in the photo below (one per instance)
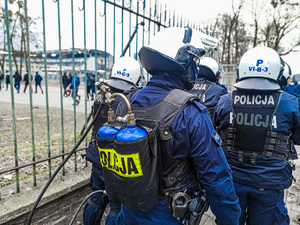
(200, 89)
(252, 122)
(175, 174)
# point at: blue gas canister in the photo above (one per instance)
(131, 133)
(108, 131)
(105, 139)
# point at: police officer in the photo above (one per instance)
(125, 76)
(191, 152)
(258, 124)
(205, 87)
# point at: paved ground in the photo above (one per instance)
(292, 194)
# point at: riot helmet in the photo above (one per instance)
(286, 75)
(259, 69)
(174, 51)
(209, 69)
(126, 73)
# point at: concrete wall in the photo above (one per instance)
(229, 80)
(58, 211)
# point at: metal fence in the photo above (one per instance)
(122, 26)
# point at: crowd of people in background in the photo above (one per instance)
(292, 86)
(67, 83)
(17, 79)
(70, 81)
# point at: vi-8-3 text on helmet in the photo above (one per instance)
(259, 69)
(209, 69)
(126, 73)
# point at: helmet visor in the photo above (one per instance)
(119, 84)
(257, 84)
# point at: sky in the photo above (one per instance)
(197, 10)
(194, 9)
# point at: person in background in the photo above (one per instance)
(74, 86)
(88, 86)
(18, 79)
(70, 78)
(206, 88)
(94, 210)
(65, 82)
(26, 81)
(1, 80)
(259, 125)
(292, 88)
(7, 79)
(93, 87)
(38, 82)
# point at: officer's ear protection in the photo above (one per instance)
(218, 73)
(280, 75)
(237, 71)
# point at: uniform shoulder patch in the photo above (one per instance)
(216, 137)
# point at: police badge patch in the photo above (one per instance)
(215, 136)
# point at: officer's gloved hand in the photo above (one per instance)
(94, 209)
(115, 208)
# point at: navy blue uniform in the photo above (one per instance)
(292, 89)
(193, 138)
(208, 92)
(260, 166)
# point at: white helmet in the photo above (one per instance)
(259, 69)
(171, 51)
(209, 69)
(126, 73)
(169, 40)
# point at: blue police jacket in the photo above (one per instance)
(195, 138)
(208, 92)
(268, 173)
(292, 89)
(213, 95)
